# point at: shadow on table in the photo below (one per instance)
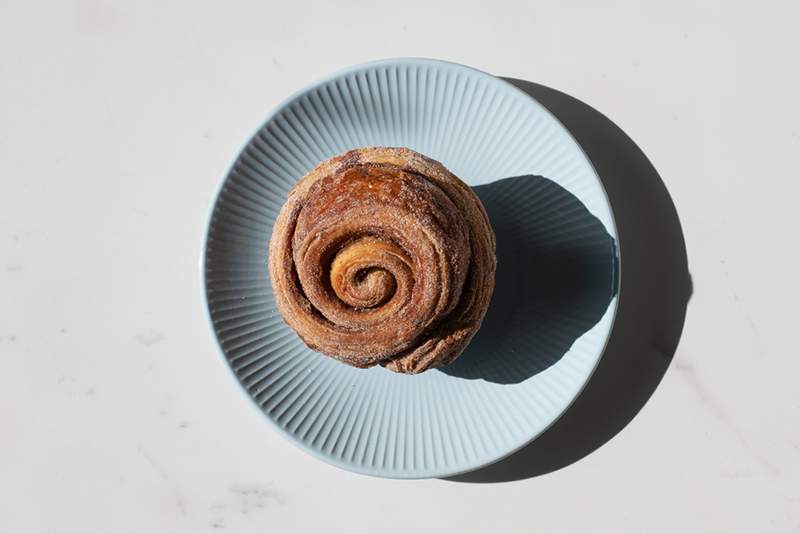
(654, 292)
(556, 268)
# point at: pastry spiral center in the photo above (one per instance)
(367, 272)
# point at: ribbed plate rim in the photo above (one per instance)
(379, 473)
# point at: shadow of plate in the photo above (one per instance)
(655, 287)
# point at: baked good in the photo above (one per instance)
(383, 256)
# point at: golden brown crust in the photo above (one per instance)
(383, 256)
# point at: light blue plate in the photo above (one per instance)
(550, 316)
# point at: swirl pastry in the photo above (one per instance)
(383, 256)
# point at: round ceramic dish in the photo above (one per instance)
(551, 314)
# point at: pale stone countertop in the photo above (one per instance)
(117, 120)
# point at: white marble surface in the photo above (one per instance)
(116, 122)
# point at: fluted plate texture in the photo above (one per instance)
(547, 325)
